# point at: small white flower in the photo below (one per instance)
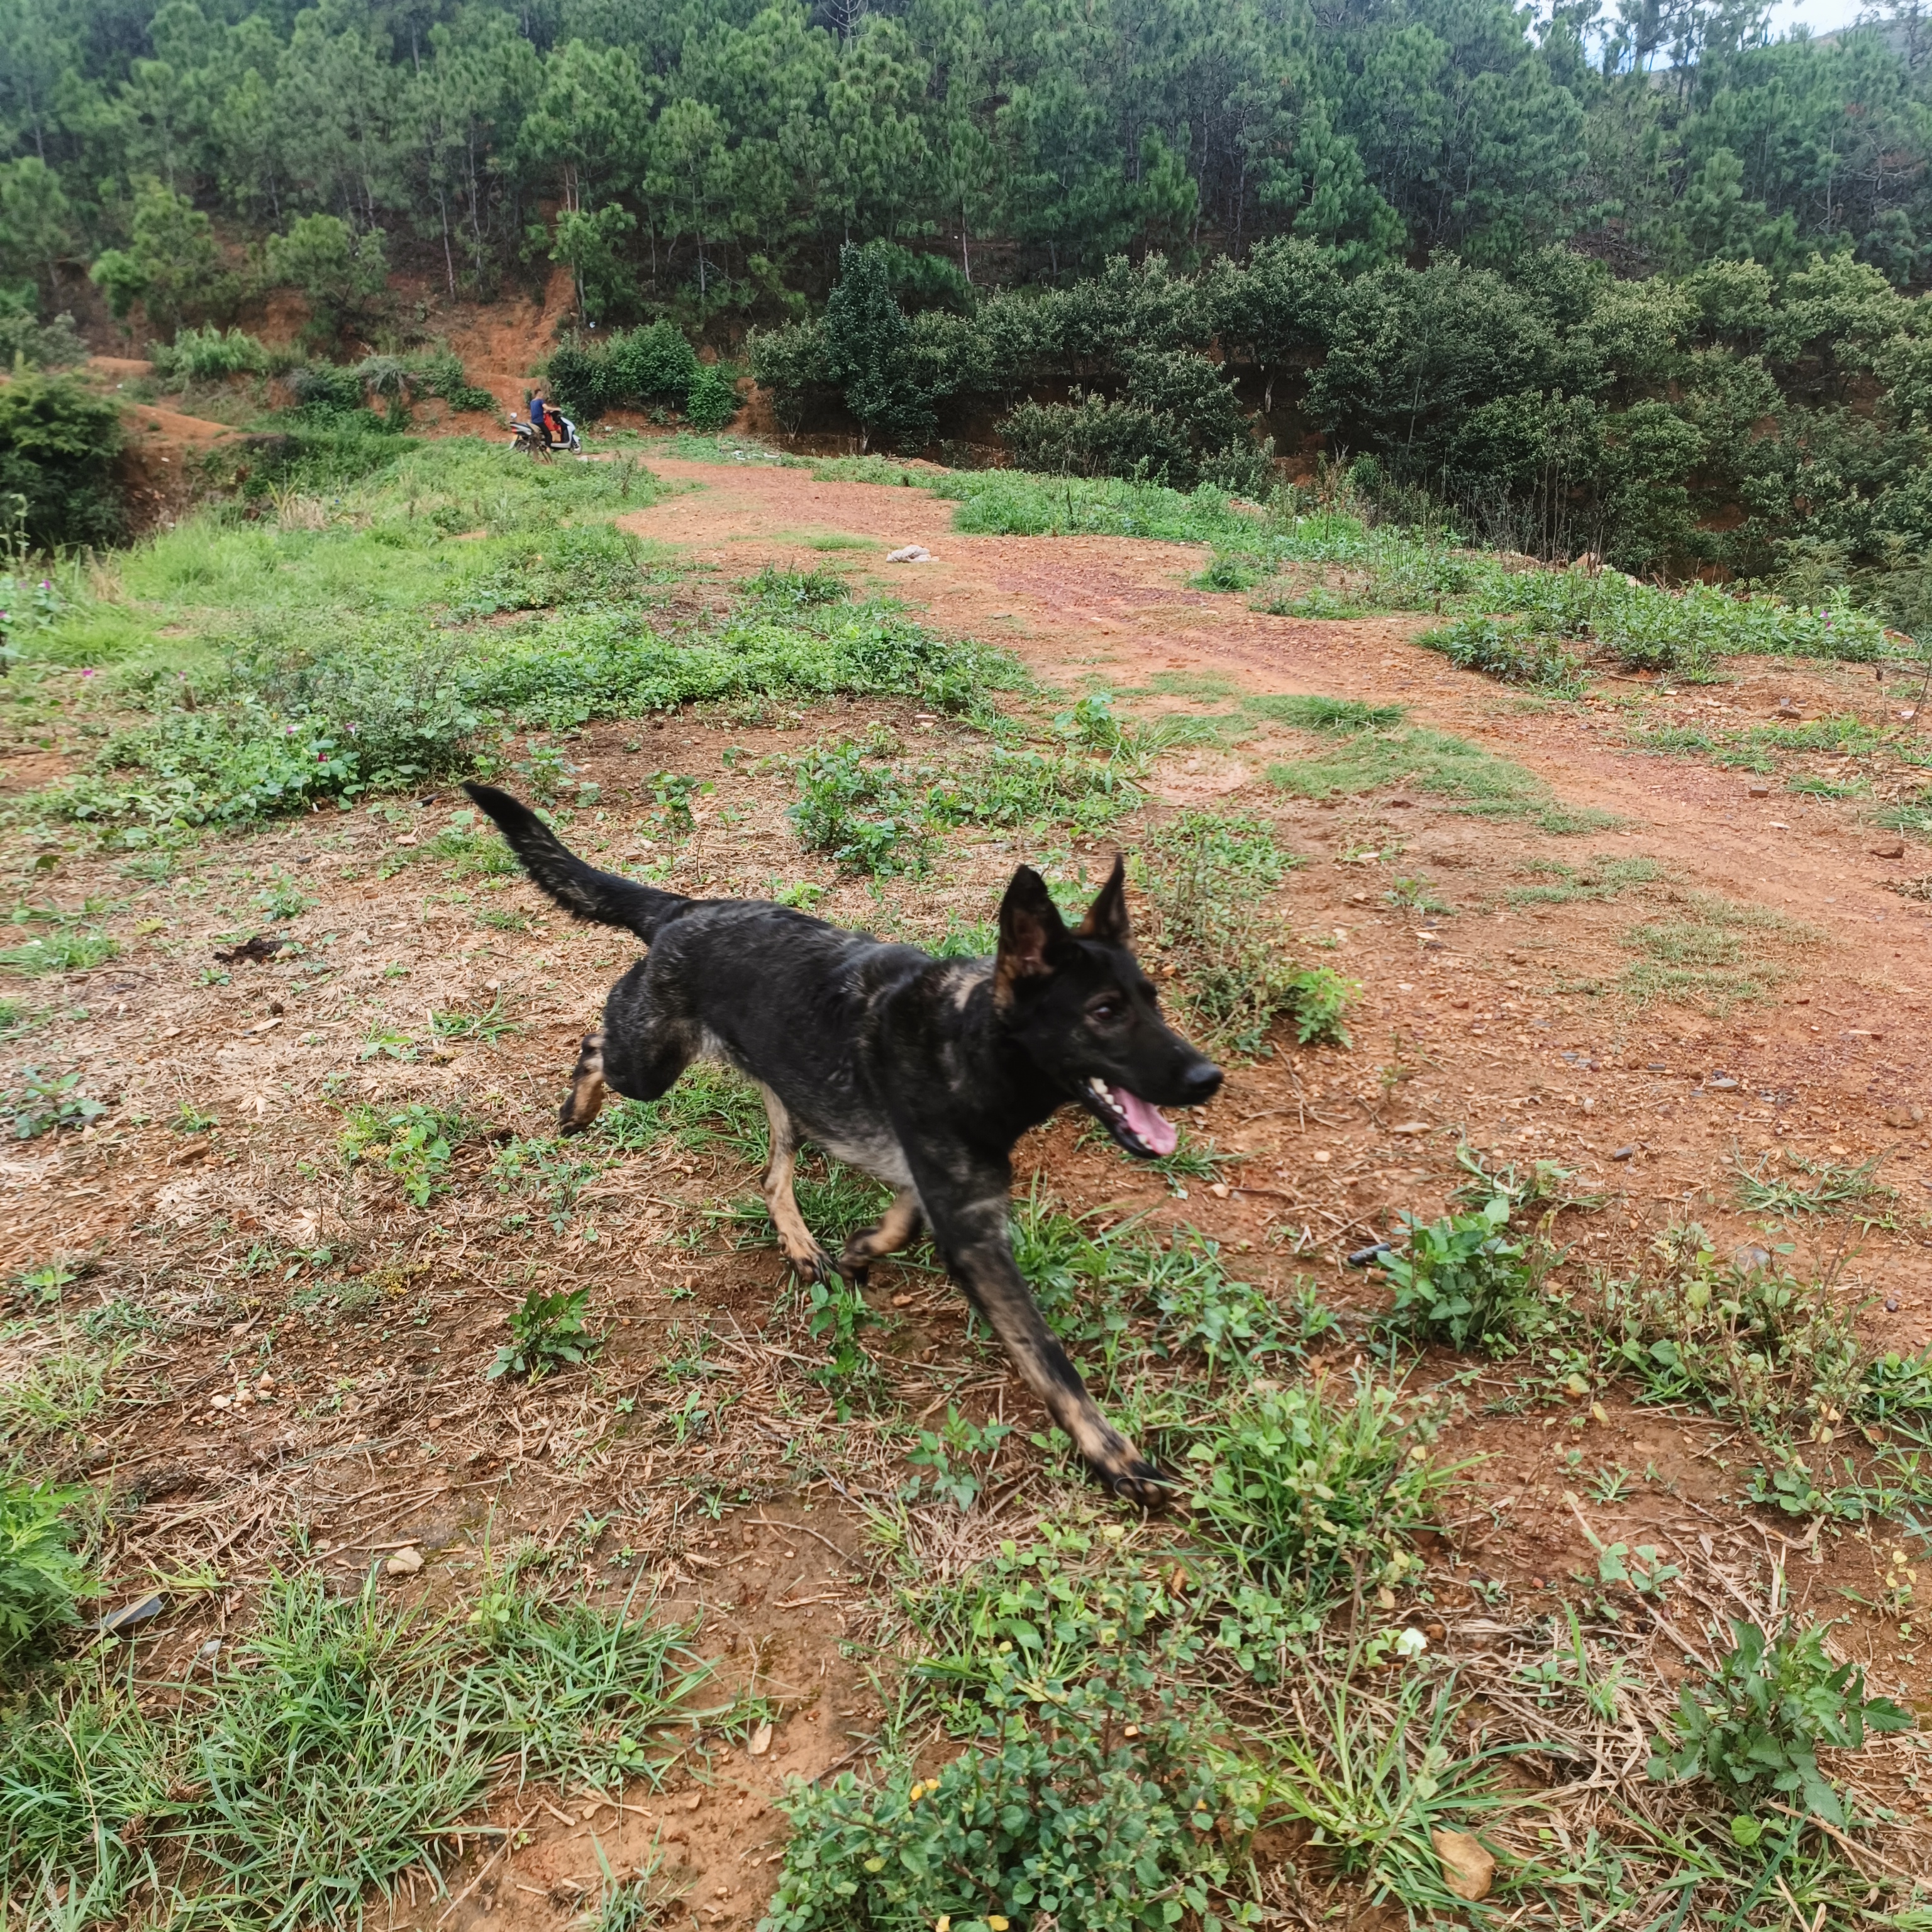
(1411, 1643)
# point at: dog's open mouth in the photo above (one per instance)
(1138, 1127)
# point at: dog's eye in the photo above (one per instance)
(1104, 1010)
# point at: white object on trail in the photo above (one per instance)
(912, 553)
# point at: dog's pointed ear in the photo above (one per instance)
(1031, 933)
(1107, 918)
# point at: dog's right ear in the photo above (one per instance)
(1031, 933)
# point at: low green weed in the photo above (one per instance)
(956, 1456)
(1463, 1280)
(1082, 1795)
(1854, 1191)
(44, 1102)
(1011, 502)
(1755, 1342)
(413, 1143)
(41, 1576)
(862, 813)
(547, 1333)
(1756, 1728)
(1304, 1488)
(1349, 715)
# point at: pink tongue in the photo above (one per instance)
(1160, 1133)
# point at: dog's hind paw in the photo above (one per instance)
(1142, 1484)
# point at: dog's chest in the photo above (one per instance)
(877, 1153)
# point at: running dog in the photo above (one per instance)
(923, 1072)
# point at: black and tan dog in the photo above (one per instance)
(922, 1072)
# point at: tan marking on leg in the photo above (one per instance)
(587, 1087)
(795, 1238)
(896, 1228)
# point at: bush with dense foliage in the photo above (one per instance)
(58, 445)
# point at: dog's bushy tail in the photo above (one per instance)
(582, 890)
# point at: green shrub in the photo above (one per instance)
(656, 364)
(1052, 1814)
(40, 1576)
(711, 400)
(208, 355)
(1756, 1728)
(1463, 1281)
(58, 442)
(1092, 436)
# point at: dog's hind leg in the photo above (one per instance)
(804, 1253)
(896, 1230)
(587, 1087)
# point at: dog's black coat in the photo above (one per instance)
(923, 1072)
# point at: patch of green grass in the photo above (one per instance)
(54, 1397)
(1715, 954)
(67, 949)
(1013, 503)
(1205, 874)
(1326, 714)
(328, 654)
(1476, 781)
(493, 1024)
(1313, 601)
(711, 1105)
(338, 1752)
(1225, 573)
(1606, 876)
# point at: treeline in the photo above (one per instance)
(708, 161)
(1768, 430)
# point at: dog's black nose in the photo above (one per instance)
(1202, 1083)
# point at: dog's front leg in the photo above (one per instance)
(979, 1252)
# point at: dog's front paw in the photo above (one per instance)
(812, 1264)
(1141, 1483)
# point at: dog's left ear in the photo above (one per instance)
(1031, 932)
(1106, 918)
